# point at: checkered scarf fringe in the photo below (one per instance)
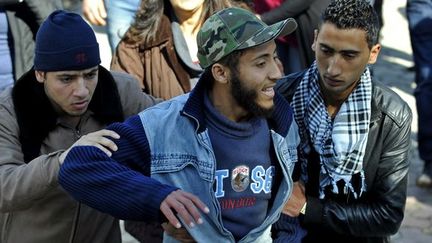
(341, 145)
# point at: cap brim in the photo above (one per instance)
(271, 32)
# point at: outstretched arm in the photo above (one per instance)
(120, 185)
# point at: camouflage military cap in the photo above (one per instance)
(235, 29)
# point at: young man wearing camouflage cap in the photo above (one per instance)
(231, 142)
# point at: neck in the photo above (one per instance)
(190, 24)
(71, 121)
(334, 100)
(74, 120)
(223, 101)
(189, 20)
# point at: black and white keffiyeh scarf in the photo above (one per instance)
(340, 144)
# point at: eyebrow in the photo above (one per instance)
(265, 55)
(93, 70)
(75, 74)
(342, 51)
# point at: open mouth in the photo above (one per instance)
(269, 91)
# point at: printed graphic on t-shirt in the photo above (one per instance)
(242, 187)
(226, 203)
(240, 178)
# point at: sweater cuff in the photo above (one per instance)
(314, 211)
(162, 193)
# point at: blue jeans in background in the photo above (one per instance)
(6, 67)
(419, 13)
(120, 15)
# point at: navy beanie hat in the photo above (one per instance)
(65, 41)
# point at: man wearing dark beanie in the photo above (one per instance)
(65, 42)
(64, 101)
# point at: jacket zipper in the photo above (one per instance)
(77, 134)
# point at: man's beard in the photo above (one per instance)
(247, 98)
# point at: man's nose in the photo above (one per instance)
(275, 71)
(334, 68)
(81, 89)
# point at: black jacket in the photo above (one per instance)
(378, 213)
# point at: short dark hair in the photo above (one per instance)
(353, 14)
(231, 61)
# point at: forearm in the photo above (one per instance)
(111, 187)
(119, 185)
(375, 219)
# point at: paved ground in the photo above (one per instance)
(391, 68)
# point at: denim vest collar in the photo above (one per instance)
(194, 108)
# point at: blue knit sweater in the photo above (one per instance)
(245, 169)
(106, 180)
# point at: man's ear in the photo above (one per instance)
(315, 40)
(373, 56)
(40, 76)
(220, 73)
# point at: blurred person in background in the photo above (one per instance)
(419, 13)
(117, 15)
(294, 50)
(19, 22)
(160, 48)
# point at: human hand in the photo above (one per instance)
(180, 234)
(185, 204)
(296, 201)
(94, 11)
(99, 139)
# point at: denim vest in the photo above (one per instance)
(182, 156)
